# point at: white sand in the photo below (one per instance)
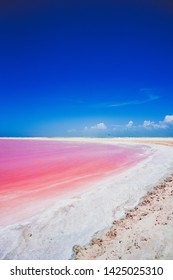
(76, 220)
(146, 232)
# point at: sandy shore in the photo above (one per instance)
(146, 232)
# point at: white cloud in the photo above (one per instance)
(100, 126)
(148, 124)
(130, 124)
(168, 119)
(153, 125)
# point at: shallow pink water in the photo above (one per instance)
(32, 172)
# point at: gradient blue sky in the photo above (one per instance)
(86, 68)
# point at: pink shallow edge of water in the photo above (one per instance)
(34, 173)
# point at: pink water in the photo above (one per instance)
(35, 172)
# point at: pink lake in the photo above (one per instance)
(33, 173)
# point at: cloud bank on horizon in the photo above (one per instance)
(166, 123)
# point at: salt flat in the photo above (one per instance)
(78, 219)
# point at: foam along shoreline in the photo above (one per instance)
(54, 233)
(145, 232)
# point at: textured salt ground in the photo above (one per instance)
(31, 235)
(146, 232)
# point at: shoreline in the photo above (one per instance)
(146, 231)
(93, 213)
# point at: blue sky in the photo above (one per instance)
(86, 68)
